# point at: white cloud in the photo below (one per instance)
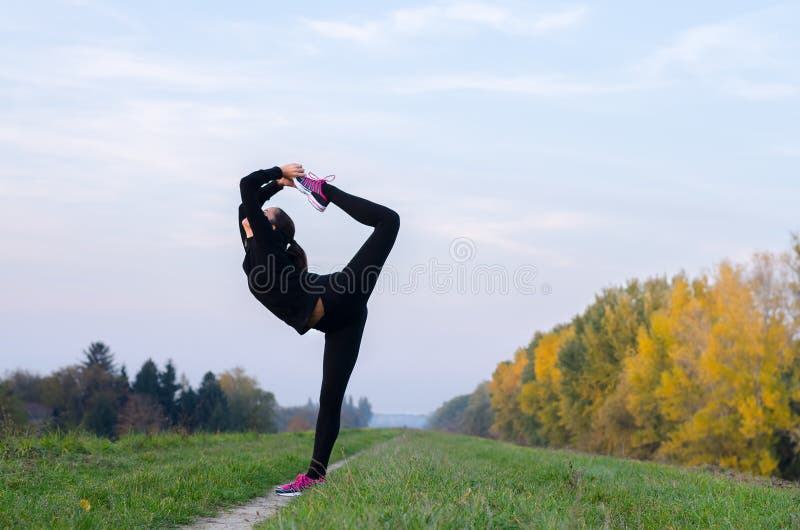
(711, 48)
(553, 86)
(763, 90)
(363, 33)
(439, 17)
(728, 56)
(505, 224)
(562, 20)
(81, 66)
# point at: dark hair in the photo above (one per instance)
(285, 225)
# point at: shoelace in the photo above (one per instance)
(314, 183)
(301, 482)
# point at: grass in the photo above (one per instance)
(435, 480)
(148, 481)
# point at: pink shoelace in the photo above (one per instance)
(301, 482)
(314, 183)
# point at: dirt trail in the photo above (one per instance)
(255, 511)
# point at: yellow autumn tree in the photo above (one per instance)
(733, 378)
(540, 397)
(613, 425)
(642, 373)
(504, 389)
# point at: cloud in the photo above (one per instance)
(84, 66)
(728, 56)
(763, 90)
(712, 47)
(504, 224)
(362, 33)
(546, 86)
(438, 17)
(562, 20)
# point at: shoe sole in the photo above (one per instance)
(292, 494)
(308, 193)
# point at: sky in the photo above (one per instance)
(562, 147)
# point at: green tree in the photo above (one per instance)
(450, 415)
(27, 385)
(167, 389)
(364, 412)
(99, 354)
(103, 394)
(101, 414)
(12, 411)
(146, 381)
(250, 408)
(187, 408)
(212, 405)
(478, 416)
(63, 392)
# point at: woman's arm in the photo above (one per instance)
(249, 188)
(265, 193)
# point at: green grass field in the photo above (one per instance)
(148, 481)
(436, 480)
(416, 479)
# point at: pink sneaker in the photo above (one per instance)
(311, 186)
(295, 488)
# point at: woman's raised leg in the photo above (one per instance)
(364, 268)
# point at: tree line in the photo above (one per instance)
(699, 371)
(97, 396)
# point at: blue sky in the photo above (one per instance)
(594, 141)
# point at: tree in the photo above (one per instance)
(364, 413)
(12, 412)
(740, 395)
(250, 407)
(212, 405)
(187, 408)
(99, 354)
(504, 389)
(285, 415)
(63, 392)
(167, 388)
(27, 386)
(478, 416)
(102, 394)
(450, 415)
(146, 381)
(298, 423)
(141, 413)
(540, 396)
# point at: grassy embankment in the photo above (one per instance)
(148, 481)
(436, 480)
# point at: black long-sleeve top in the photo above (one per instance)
(272, 277)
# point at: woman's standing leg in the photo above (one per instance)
(341, 352)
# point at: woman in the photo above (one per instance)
(335, 304)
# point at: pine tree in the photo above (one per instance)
(146, 381)
(167, 388)
(99, 354)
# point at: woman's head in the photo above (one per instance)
(283, 224)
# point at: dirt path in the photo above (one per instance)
(255, 511)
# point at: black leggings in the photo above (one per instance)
(345, 297)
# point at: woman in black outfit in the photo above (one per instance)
(335, 304)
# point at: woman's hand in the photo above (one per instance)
(292, 171)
